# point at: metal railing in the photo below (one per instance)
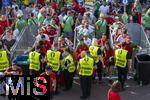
(24, 40)
(138, 35)
(136, 31)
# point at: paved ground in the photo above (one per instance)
(99, 92)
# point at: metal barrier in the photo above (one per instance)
(136, 31)
(138, 35)
(25, 39)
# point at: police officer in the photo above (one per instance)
(35, 61)
(121, 64)
(95, 53)
(53, 58)
(85, 70)
(4, 62)
(69, 69)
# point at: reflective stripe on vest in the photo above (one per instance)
(72, 65)
(93, 52)
(86, 66)
(34, 61)
(121, 59)
(53, 59)
(4, 63)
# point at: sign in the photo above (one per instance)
(27, 85)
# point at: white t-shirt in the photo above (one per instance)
(90, 28)
(88, 42)
(104, 9)
(38, 37)
(35, 11)
(120, 39)
(18, 12)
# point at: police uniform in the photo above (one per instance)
(94, 53)
(53, 60)
(4, 62)
(86, 66)
(121, 64)
(69, 69)
(34, 59)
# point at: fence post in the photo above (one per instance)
(75, 35)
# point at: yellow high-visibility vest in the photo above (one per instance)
(121, 60)
(4, 63)
(72, 65)
(86, 66)
(53, 59)
(34, 59)
(93, 52)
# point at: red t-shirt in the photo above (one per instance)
(113, 95)
(50, 33)
(3, 26)
(75, 6)
(79, 50)
(102, 42)
(109, 21)
(45, 47)
(107, 54)
(42, 2)
(56, 19)
(54, 6)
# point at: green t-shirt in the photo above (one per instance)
(139, 8)
(146, 21)
(20, 24)
(32, 21)
(40, 18)
(18, 2)
(33, 1)
(124, 18)
(60, 4)
(68, 23)
(97, 5)
(115, 26)
(101, 26)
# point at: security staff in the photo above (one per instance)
(95, 53)
(4, 62)
(53, 58)
(121, 64)
(69, 69)
(35, 60)
(85, 70)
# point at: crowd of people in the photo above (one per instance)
(73, 40)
